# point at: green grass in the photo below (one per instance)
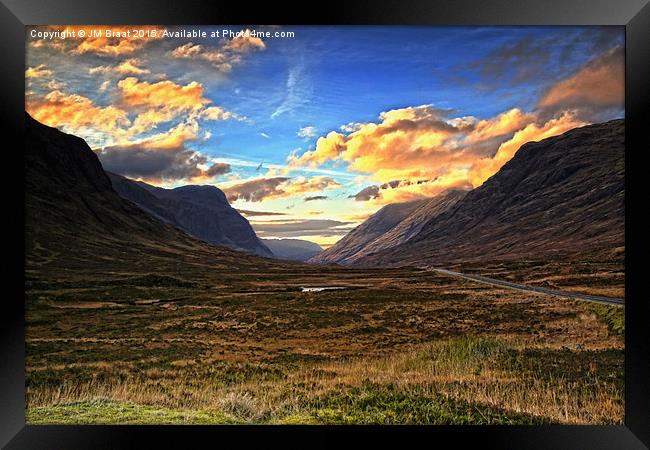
(613, 316)
(373, 403)
(109, 412)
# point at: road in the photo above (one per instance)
(522, 287)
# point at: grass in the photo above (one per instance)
(613, 316)
(468, 380)
(109, 412)
(199, 344)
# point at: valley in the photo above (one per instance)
(397, 346)
(132, 319)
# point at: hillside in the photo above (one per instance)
(392, 225)
(562, 197)
(201, 211)
(373, 228)
(75, 219)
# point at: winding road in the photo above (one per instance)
(522, 287)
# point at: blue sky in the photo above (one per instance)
(434, 108)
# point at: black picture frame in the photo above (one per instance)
(634, 15)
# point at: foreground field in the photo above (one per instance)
(398, 346)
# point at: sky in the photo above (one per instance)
(310, 130)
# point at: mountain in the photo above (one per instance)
(562, 197)
(392, 225)
(201, 211)
(374, 227)
(293, 249)
(74, 219)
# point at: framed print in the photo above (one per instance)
(270, 222)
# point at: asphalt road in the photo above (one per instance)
(522, 287)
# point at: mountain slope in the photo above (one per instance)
(201, 211)
(560, 197)
(293, 249)
(349, 247)
(392, 225)
(75, 220)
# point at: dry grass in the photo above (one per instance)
(468, 371)
(219, 346)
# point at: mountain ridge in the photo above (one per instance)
(557, 197)
(562, 196)
(74, 219)
(200, 210)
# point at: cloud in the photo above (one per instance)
(485, 168)
(261, 189)
(365, 194)
(297, 91)
(307, 132)
(315, 198)
(217, 169)
(222, 58)
(410, 143)
(244, 43)
(74, 112)
(162, 157)
(536, 59)
(99, 45)
(37, 72)
(599, 84)
(167, 94)
(420, 151)
(129, 66)
(165, 100)
(140, 107)
(249, 213)
(399, 191)
(404, 140)
(514, 62)
(351, 127)
(297, 228)
(503, 124)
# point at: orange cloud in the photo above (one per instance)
(403, 141)
(39, 71)
(245, 43)
(141, 94)
(141, 107)
(222, 58)
(173, 138)
(74, 112)
(417, 152)
(483, 169)
(116, 45)
(505, 123)
(129, 66)
(165, 100)
(599, 83)
(414, 143)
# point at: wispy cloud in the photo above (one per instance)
(298, 90)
